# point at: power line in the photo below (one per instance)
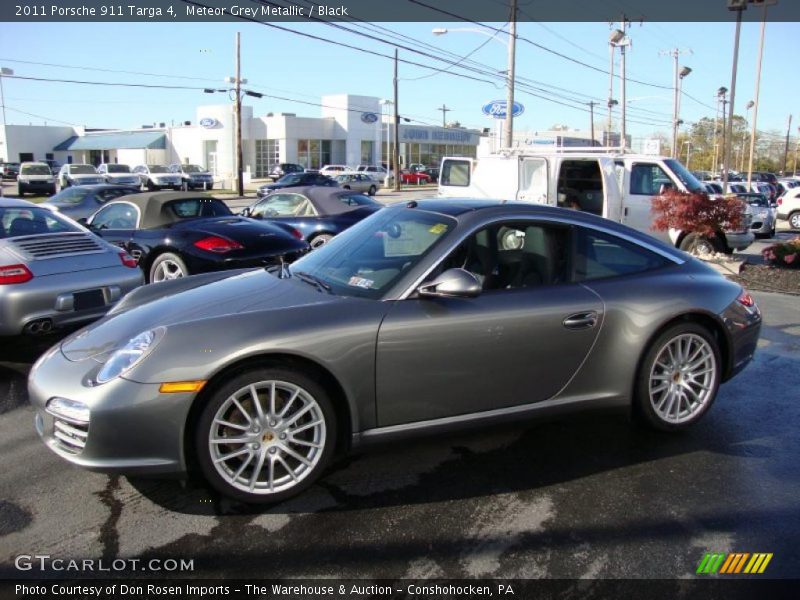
(11, 108)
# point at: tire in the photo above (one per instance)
(52, 191)
(794, 220)
(265, 435)
(372, 190)
(320, 240)
(150, 186)
(700, 244)
(346, 187)
(167, 266)
(21, 190)
(673, 391)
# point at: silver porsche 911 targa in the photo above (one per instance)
(427, 316)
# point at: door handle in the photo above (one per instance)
(584, 320)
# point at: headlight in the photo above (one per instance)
(131, 354)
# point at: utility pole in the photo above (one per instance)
(678, 76)
(238, 117)
(512, 49)
(724, 144)
(623, 140)
(611, 100)
(444, 111)
(786, 148)
(591, 118)
(396, 152)
(755, 107)
(726, 157)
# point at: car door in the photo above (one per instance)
(643, 182)
(116, 223)
(519, 342)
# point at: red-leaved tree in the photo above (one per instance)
(697, 213)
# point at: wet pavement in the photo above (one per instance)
(592, 496)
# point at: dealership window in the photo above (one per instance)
(367, 151)
(313, 154)
(267, 156)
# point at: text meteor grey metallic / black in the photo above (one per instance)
(424, 317)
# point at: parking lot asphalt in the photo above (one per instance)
(592, 496)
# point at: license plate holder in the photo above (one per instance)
(88, 299)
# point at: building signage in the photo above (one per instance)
(369, 117)
(209, 122)
(497, 109)
(456, 136)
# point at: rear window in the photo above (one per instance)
(118, 168)
(82, 170)
(456, 173)
(17, 222)
(198, 207)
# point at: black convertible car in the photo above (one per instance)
(174, 234)
(296, 180)
(319, 213)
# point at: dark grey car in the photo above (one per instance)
(81, 202)
(425, 317)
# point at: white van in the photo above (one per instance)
(617, 186)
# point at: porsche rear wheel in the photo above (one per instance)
(168, 266)
(266, 435)
(679, 377)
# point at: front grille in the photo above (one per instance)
(71, 436)
(58, 244)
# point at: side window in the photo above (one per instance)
(599, 255)
(456, 173)
(518, 254)
(647, 179)
(533, 180)
(116, 216)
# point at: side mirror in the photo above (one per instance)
(84, 221)
(453, 283)
(245, 212)
(665, 187)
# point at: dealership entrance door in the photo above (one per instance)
(210, 154)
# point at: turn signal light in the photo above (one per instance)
(14, 274)
(217, 244)
(175, 387)
(127, 260)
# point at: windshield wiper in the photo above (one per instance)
(309, 278)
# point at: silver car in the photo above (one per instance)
(54, 273)
(118, 174)
(426, 317)
(358, 182)
(193, 176)
(158, 177)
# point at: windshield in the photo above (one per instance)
(193, 169)
(36, 170)
(685, 177)
(82, 170)
(367, 259)
(71, 195)
(157, 169)
(118, 168)
(20, 221)
(757, 200)
(291, 178)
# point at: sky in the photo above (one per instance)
(283, 64)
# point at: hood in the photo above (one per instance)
(123, 177)
(85, 177)
(185, 301)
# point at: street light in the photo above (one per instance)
(383, 103)
(747, 107)
(676, 105)
(508, 134)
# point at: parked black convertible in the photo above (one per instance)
(174, 234)
(319, 213)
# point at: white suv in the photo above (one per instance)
(789, 207)
(334, 170)
(35, 177)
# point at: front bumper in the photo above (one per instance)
(43, 297)
(39, 184)
(133, 428)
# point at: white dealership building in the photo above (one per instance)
(351, 130)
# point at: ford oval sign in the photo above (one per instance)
(497, 109)
(209, 122)
(369, 117)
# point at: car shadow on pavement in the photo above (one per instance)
(496, 460)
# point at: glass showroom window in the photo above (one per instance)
(367, 155)
(267, 156)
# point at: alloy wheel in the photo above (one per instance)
(168, 269)
(682, 378)
(267, 437)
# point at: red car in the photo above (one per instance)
(414, 177)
